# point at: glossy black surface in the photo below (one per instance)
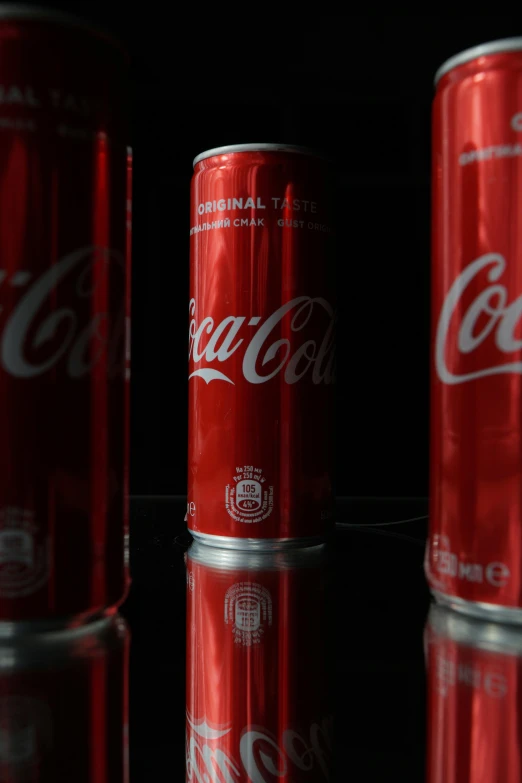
(379, 609)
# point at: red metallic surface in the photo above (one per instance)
(63, 281)
(475, 548)
(261, 350)
(258, 689)
(128, 340)
(474, 700)
(64, 707)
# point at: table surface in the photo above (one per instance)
(348, 633)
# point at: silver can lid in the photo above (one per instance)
(482, 50)
(230, 148)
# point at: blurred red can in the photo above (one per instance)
(64, 276)
(261, 346)
(64, 705)
(259, 700)
(474, 699)
(474, 556)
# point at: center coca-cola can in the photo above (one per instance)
(258, 672)
(261, 346)
(64, 313)
(474, 553)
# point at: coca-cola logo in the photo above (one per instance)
(260, 755)
(489, 314)
(38, 333)
(210, 342)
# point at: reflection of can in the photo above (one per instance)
(261, 346)
(64, 266)
(474, 699)
(258, 691)
(474, 555)
(63, 705)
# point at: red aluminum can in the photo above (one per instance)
(259, 701)
(64, 705)
(474, 554)
(64, 276)
(261, 347)
(474, 699)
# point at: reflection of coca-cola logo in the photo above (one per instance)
(490, 313)
(38, 334)
(261, 756)
(211, 342)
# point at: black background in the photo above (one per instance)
(359, 88)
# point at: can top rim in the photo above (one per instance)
(26, 12)
(474, 52)
(263, 147)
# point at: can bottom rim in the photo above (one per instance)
(480, 609)
(11, 628)
(257, 544)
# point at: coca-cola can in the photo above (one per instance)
(261, 347)
(474, 676)
(474, 553)
(259, 696)
(64, 705)
(64, 311)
